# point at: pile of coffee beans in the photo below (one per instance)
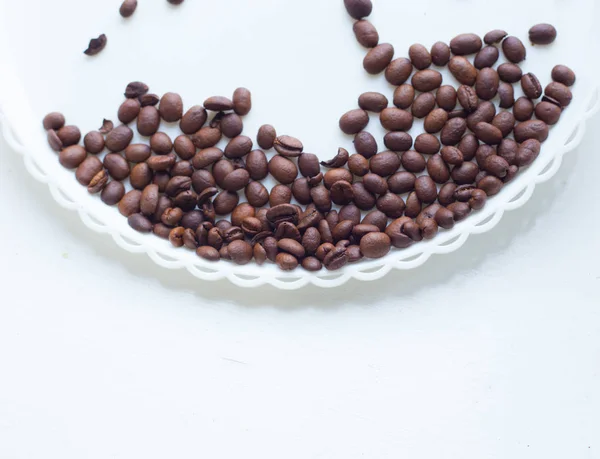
(353, 206)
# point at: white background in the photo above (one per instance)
(489, 352)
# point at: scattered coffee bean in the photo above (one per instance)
(514, 50)
(398, 71)
(532, 129)
(96, 45)
(487, 57)
(419, 56)
(463, 70)
(366, 33)
(288, 146)
(242, 101)
(494, 37)
(426, 80)
(53, 121)
(423, 105)
(365, 144)
(358, 9)
(542, 34)
(523, 109)
(563, 74)
(531, 86)
(446, 97)
(354, 121)
(372, 102)
(507, 95)
(378, 58)
(395, 119)
(547, 112)
(487, 83)
(440, 54)
(555, 91)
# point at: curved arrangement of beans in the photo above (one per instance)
(329, 213)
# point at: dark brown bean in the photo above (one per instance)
(563, 74)
(446, 97)
(365, 144)
(468, 98)
(435, 121)
(112, 193)
(528, 152)
(140, 223)
(465, 174)
(119, 138)
(225, 202)
(335, 175)
(483, 153)
(514, 50)
(494, 36)
(242, 101)
(437, 169)
(193, 120)
(510, 73)
(488, 133)
(395, 119)
(69, 135)
(453, 131)
(378, 58)
(98, 182)
(240, 252)
(53, 121)
(460, 210)
(426, 80)
(266, 136)
(96, 45)
(339, 160)
(467, 43)
(548, 112)
(560, 93)
(135, 89)
(358, 9)
(354, 121)
(130, 203)
(280, 194)
(533, 129)
(507, 95)
(117, 166)
(468, 146)
(446, 194)
(218, 104)
(505, 121)
(363, 199)
(531, 86)
(283, 170)
(425, 189)
(440, 54)
(413, 161)
(148, 121)
(463, 70)
(423, 105)
(71, 157)
(375, 245)
(523, 109)
(419, 56)
(485, 113)
(288, 146)
(427, 144)
(366, 33)
(404, 95)
(87, 170)
(398, 71)
(94, 142)
(487, 57)
(542, 34)
(490, 185)
(385, 163)
(238, 147)
(496, 165)
(508, 150)
(375, 184)
(398, 141)
(487, 83)
(372, 101)
(54, 141)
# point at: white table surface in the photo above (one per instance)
(489, 352)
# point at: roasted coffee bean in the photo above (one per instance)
(148, 100)
(494, 36)
(485, 113)
(342, 192)
(437, 169)
(176, 236)
(548, 113)
(266, 137)
(358, 9)
(510, 73)
(426, 80)
(301, 191)
(460, 113)
(375, 184)
(71, 157)
(425, 189)
(467, 43)
(372, 102)
(444, 218)
(428, 213)
(542, 34)
(413, 161)
(203, 179)
(130, 203)
(398, 71)
(563, 74)
(140, 223)
(257, 165)
(507, 95)
(395, 119)
(207, 157)
(238, 147)
(460, 210)
(395, 232)
(53, 121)
(429, 228)
(487, 83)
(98, 182)
(242, 101)
(312, 264)
(112, 193)
(225, 202)
(378, 58)
(186, 200)
(128, 8)
(358, 165)
(177, 185)
(96, 45)
(54, 141)
(280, 194)
(339, 160)
(171, 107)
(222, 169)
(192, 220)
(385, 163)
(326, 238)
(488, 133)
(240, 252)
(232, 125)
(161, 143)
(148, 121)
(137, 153)
(182, 168)
(342, 230)
(94, 142)
(533, 129)
(391, 204)
(366, 33)
(446, 97)
(468, 146)
(483, 153)
(514, 50)
(189, 239)
(161, 178)
(141, 176)
(87, 170)
(465, 174)
(423, 105)
(214, 238)
(487, 57)
(376, 219)
(129, 110)
(223, 225)
(496, 165)
(508, 150)
(311, 240)
(490, 185)
(419, 56)
(435, 121)
(321, 197)
(161, 163)
(468, 98)
(117, 166)
(463, 70)
(505, 121)
(241, 212)
(398, 141)
(375, 245)
(440, 54)
(453, 131)
(401, 182)
(404, 95)
(283, 170)
(531, 86)
(256, 194)
(360, 231)
(69, 135)
(205, 197)
(193, 120)
(149, 200)
(556, 91)
(427, 144)
(446, 194)
(365, 144)
(363, 199)
(218, 104)
(311, 217)
(523, 109)
(171, 216)
(288, 146)
(208, 253)
(292, 247)
(336, 259)
(354, 121)
(119, 138)
(478, 199)
(135, 89)
(528, 152)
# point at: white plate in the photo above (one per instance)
(302, 63)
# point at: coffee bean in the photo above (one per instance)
(507, 95)
(426, 80)
(363, 199)
(423, 105)
(208, 253)
(184, 168)
(311, 217)
(483, 153)
(528, 152)
(94, 142)
(419, 56)
(69, 135)
(401, 182)
(242, 101)
(487, 57)
(396, 232)
(365, 144)
(289, 146)
(360, 231)
(141, 176)
(358, 165)
(490, 185)
(148, 121)
(54, 121)
(446, 194)
(487, 83)
(496, 165)
(240, 252)
(207, 157)
(321, 197)
(404, 95)
(96, 45)
(425, 189)
(172, 216)
(440, 54)
(206, 137)
(531, 86)
(467, 98)
(175, 2)
(218, 104)
(557, 91)
(375, 184)
(398, 71)
(508, 150)
(484, 113)
(548, 113)
(232, 125)
(193, 120)
(342, 230)
(372, 101)
(186, 200)
(87, 170)
(311, 240)
(391, 204)
(467, 43)
(283, 213)
(117, 166)
(128, 8)
(453, 131)
(358, 9)
(292, 247)
(514, 50)
(523, 109)
(437, 169)
(460, 210)
(354, 121)
(222, 169)
(435, 121)
(427, 144)
(446, 97)
(494, 36)
(378, 58)
(119, 138)
(161, 178)
(238, 147)
(71, 157)
(149, 200)
(395, 119)
(140, 223)
(54, 141)
(542, 34)
(488, 133)
(242, 212)
(342, 192)
(510, 73)
(266, 136)
(130, 203)
(385, 163)
(505, 121)
(225, 202)
(256, 194)
(468, 146)
(463, 70)
(444, 218)
(465, 173)
(339, 160)
(563, 74)
(366, 33)
(283, 170)
(280, 194)
(98, 182)
(413, 161)
(312, 264)
(533, 129)
(112, 193)
(375, 245)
